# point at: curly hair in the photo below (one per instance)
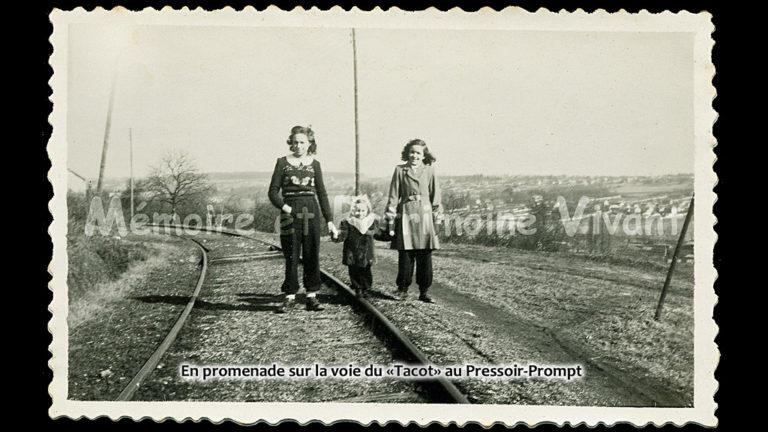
(361, 200)
(306, 130)
(429, 158)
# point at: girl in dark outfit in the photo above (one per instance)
(358, 232)
(299, 177)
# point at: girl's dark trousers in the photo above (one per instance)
(423, 261)
(300, 237)
(361, 277)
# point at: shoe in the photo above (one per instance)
(402, 294)
(313, 304)
(287, 305)
(359, 293)
(425, 298)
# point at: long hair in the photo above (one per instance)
(306, 130)
(429, 158)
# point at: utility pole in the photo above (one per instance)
(357, 134)
(100, 184)
(130, 143)
(664, 289)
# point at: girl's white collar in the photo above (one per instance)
(363, 224)
(304, 160)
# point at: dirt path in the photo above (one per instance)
(601, 379)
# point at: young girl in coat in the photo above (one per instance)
(358, 232)
(297, 189)
(413, 209)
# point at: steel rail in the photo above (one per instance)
(413, 351)
(246, 258)
(154, 359)
(449, 388)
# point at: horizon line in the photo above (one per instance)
(442, 174)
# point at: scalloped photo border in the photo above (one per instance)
(706, 352)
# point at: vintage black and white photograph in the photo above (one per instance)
(383, 216)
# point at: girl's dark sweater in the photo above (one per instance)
(298, 181)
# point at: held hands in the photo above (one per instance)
(333, 231)
(287, 209)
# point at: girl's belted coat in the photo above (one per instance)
(412, 207)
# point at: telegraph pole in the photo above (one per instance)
(100, 183)
(357, 134)
(130, 143)
(664, 289)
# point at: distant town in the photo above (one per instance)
(594, 214)
(666, 195)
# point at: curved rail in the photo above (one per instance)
(154, 359)
(412, 350)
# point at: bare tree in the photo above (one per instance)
(177, 181)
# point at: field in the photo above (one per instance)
(643, 190)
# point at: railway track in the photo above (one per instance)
(437, 390)
(154, 359)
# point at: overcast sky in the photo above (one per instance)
(492, 102)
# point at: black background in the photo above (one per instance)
(27, 53)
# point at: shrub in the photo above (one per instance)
(95, 259)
